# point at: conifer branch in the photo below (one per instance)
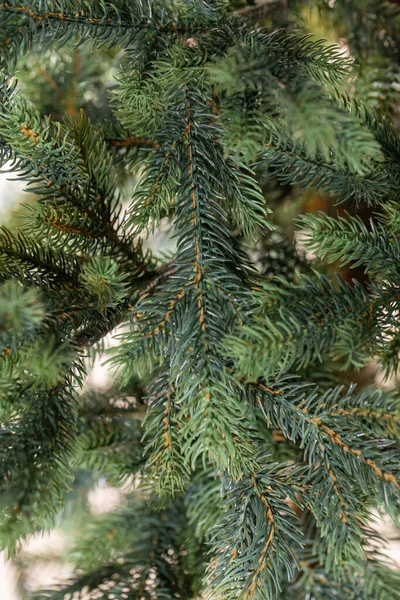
(255, 473)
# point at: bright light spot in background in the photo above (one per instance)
(8, 580)
(10, 193)
(104, 499)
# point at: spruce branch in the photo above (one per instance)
(256, 471)
(348, 240)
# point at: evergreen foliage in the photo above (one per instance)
(255, 464)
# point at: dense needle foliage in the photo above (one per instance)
(255, 463)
